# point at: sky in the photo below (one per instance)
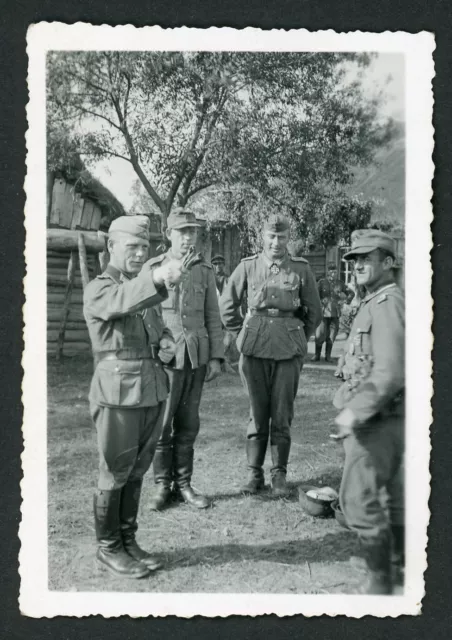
(385, 73)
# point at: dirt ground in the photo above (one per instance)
(242, 544)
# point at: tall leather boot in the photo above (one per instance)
(280, 458)
(398, 556)
(255, 455)
(377, 553)
(163, 473)
(183, 470)
(318, 351)
(110, 551)
(328, 350)
(128, 512)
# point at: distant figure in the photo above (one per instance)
(332, 292)
(221, 278)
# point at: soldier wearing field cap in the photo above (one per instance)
(129, 386)
(371, 418)
(283, 312)
(221, 278)
(191, 313)
(332, 292)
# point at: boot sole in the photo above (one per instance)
(118, 574)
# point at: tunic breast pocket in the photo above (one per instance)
(170, 301)
(118, 383)
(198, 297)
(362, 338)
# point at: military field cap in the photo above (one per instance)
(133, 225)
(276, 223)
(180, 218)
(367, 240)
(332, 266)
(217, 258)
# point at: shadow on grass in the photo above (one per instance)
(333, 547)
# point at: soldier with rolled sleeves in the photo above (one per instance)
(129, 387)
(331, 290)
(283, 311)
(191, 313)
(371, 418)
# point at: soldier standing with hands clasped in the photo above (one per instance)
(191, 313)
(371, 420)
(283, 311)
(129, 386)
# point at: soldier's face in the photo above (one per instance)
(371, 270)
(128, 253)
(332, 273)
(275, 243)
(218, 267)
(182, 240)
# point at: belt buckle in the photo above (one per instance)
(273, 312)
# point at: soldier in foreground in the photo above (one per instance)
(331, 291)
(371, 418)
(283, 311)
(129, 387)
(191, 313)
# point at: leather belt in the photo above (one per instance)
(128, 354)
(272, 313)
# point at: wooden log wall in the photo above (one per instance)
(76, 339)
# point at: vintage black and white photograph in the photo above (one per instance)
(223, 232)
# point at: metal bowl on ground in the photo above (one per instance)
(338, 513)
(317, 507)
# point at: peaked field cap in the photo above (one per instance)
(332, 266)
(217, 258)
(367, 240)
(137, 225)
(277, 223)
(180, 218)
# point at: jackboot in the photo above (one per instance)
(183, 470)
(128, 511)
(398, 556)
(280, 457)
(318, 351)
(163, 474)
(255, 455)
(110, 551)
(377, 553)
(328, 350)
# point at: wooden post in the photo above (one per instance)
(66, 303)
(83, 260)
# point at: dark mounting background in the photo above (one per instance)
(366, 15)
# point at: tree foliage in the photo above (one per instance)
(245, 133)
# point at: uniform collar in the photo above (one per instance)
(117, 275)
(279, 262)
(378, 291)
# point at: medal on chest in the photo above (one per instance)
(274, 269)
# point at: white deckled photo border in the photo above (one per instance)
(36, 599)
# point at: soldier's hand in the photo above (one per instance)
(169, 273)
(167, 350)
(345, 422)
(213, 369)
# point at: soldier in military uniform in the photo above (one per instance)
(371, 403)
(129, 387)
(191, 312)
(331, 290)
(283, 311)
(221, 278)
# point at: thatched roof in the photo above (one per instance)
(90, 187)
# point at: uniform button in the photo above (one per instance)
(271, 321)
(273, 296)
(273, 281)
(184, 316)
(116, 368)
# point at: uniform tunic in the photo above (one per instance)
(374, 374)
(191, 313)
(283, 311)
(127, 391)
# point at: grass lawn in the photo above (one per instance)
(243, 544)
